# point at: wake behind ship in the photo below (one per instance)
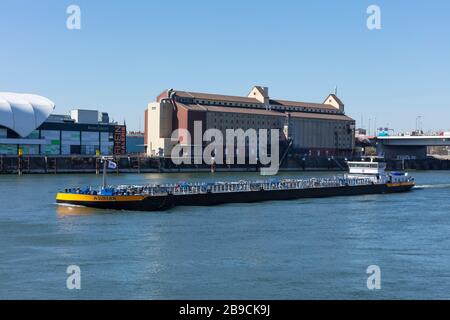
(364, 177)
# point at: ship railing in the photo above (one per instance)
(244, 186)
(270, 186)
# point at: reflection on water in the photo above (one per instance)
(64, 210)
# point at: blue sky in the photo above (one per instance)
(127, 52)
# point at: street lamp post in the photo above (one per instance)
(418, 118)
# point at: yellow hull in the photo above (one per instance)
(400, 184)
(97, 198)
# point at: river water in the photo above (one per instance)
(301, 249)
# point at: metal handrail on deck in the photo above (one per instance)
(229, 187)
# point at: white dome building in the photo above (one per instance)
(29, 127)
(23, 113)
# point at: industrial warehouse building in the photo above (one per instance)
(316, 129)
(28, 127)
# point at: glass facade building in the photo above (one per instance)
(61, 136)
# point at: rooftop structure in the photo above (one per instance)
(258, 98)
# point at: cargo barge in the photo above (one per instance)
(364, 177)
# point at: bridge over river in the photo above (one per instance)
(409, 147)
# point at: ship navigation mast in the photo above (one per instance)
(107, 164)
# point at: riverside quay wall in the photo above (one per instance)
(146, 164)
(418, 164)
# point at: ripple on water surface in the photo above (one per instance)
(309, 248)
